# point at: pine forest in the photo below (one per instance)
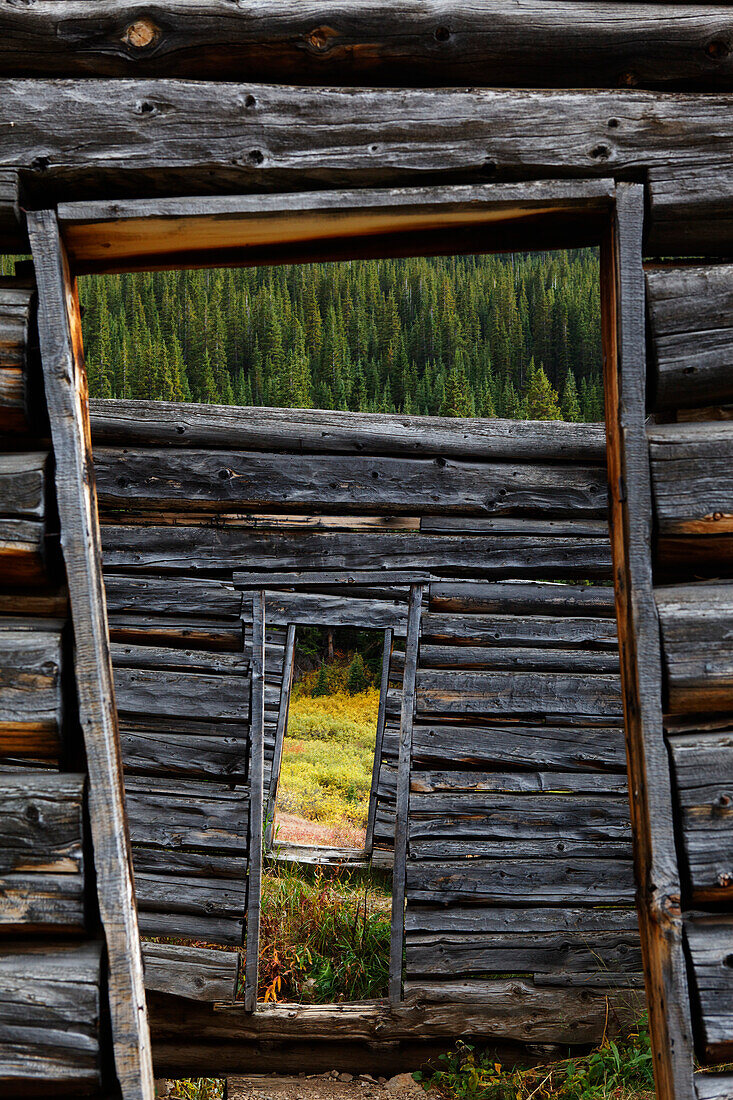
(514, 336)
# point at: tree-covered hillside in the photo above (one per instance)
(515, 336)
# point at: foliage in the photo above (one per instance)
(357, 678)
(613, 1070)
(198, 1088)
(327, 757)
(323, 938)
(321, 686)
(449, 335)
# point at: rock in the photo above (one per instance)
(403, 1085)
(334, 1074)
(382, 1080)
(347, 1078)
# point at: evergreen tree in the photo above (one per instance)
(570, 403)
(321, 685)
(356, 677)
(541, 399)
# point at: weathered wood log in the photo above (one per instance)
(214, 757)
(23, 484)
(690, 207)
(485, 920)
(517, 658)
(476, 597)
(180, 597)
(576, 882)
(180, 660)
(512, 525)
(191, 972)
(703, 767)
(713, 1086)
(215, 897)
(180, 813)
(30, 678)
(22, 552)
(356, 579)
(534, 632)
(546, 953)
(154, 630)
(516, 782)
(227, 480)
(272, 780)
(709, 940)
(42, 903)
(697, 639)
(155, 423)
(15, 312)
(41, 823)
(49, 1019)
(467, 692)
(184, 138)
(190, 863)
(214, 550)
(257, 803)
(226, 931)
(678, 557)
(691, 475)
(538, 44)
(599, 748)
(283, 608)
(692, 333)
(176, 694)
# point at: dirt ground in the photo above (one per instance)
(333, 1086)
(292, 829)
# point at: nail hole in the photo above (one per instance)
(256, 156)
(613, 123)
(600, 152)
(250, 101)
(717, 49)
(442, 34)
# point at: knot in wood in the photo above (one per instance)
(320, 39)
(723, 800)
(718, 49)
(141, 35)
(724, 878)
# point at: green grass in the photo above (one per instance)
(324, 937)
(619, 1070)
(199, 1088)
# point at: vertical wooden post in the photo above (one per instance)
(650, 793)
(59, 327)
(379, 741)
(397, 937)
(286, 685)
(256, 800)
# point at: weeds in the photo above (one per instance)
(199, 1088)
(617, 1070)
(323, 938)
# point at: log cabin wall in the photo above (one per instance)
(491, 91)
(518, 754)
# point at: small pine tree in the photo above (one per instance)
(321, 687)
(356, 677)
(542, 402)
(570, 402)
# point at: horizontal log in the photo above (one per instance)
(459, 692)
(691, 476)
(155, 423)
(474, 990)
(713, 1086)
(534, 632)
(42, 903)
(154, 630)
(512, 525)
(195, 896)
(194, 727)
(514, 782)
(30, 677)
(477, 597)
(516, 658)
(23, 484)
(680, 556)
(28, 602)
(691, 311)
(22, 552)
(221, 550)
(709, 940)
(180, 660)
(536, 44)
(15, 311)
(703, 767)
(283, 608)
(174, 694)
(545, 953)
(226, 931)
(229, 480)
(195, 973)
(333, 578)
(184, 139)
(189, 863)
(183, 597)
(484, 920)
(697, 640)
(49, 1018)
(578, 882)
(537, 747)
(30, 742)
(690, 210)
(41, 823)
(173, 754)
(179, 814)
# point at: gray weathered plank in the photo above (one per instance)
(703, 766)
(533, 631)
(454, 692)
(516, 658)
(41, 823)
(22, 551)
(39, 902)
(284, 608)
(254, 878)
(691, 468)
(181, 813)
(23, 484)
(573, 882)
(691, 318)
(173, 694)
(538, 598)
(30, 678)
(697, 631)
(181, 660)
(710, 944)
(286, 682)
(374, 788)
(214, 757)
(179, 597)
(195, 973)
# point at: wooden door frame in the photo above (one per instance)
(318, 226)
